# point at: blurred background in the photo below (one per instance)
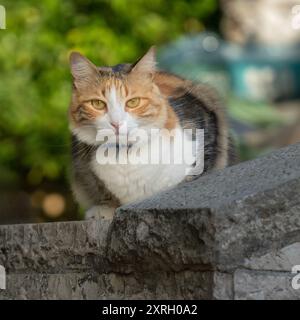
(248, 50)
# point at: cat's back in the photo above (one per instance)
(198, 106)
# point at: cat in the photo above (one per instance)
(127, 97)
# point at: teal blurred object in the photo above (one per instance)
(197, 57)
(264, 73)
(251, 72)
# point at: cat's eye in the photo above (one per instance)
(133, 103)
(98, 104)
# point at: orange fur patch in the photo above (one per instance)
(152, 91)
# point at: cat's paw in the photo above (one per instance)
(190, 178)
(100, 212)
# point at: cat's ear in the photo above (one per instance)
(83, 70)
(147, 63)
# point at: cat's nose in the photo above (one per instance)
(116, 125)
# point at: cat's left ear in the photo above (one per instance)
(147, 63)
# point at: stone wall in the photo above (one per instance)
(233, 234)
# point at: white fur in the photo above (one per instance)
(116, 106)
(86, 134)
(131, 182)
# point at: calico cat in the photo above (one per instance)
(136, 96)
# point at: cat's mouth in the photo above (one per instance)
(125, 139)
(119, 146)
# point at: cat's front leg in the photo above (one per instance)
(100, 212)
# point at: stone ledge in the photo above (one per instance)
(264, 285)
(217, 237)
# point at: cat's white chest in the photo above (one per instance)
(132, 182)
(135, 182)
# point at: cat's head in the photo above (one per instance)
(120, 98)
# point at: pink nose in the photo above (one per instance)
(116, 125)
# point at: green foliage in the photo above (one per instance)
(35, 80)
(257, 114)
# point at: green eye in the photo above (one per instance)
(133, 103)
(98, 104)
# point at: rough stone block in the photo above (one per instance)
(232, 234)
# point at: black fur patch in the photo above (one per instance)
(193, 114)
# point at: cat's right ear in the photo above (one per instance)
(84, 72)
